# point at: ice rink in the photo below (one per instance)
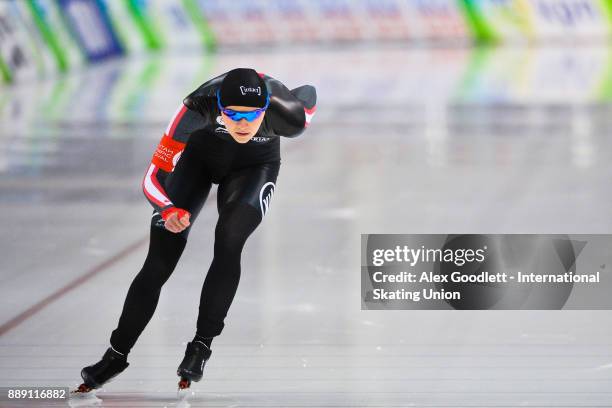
(405, 140)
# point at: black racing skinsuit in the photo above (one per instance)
(195, 152)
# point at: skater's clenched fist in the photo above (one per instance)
(176, 219)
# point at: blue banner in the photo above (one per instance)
(91, 25)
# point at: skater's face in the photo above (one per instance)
(242, 130)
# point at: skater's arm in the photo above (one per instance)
(290, 112)
(176, 219)
(166, 156)
(152, 187)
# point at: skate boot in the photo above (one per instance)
(96, 375)
(192, 366)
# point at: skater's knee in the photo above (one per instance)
(229, 241)
(237, 220)
(151, 278)
(159, 264)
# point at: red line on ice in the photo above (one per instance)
(21, 317)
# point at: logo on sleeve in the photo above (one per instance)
(167, 153)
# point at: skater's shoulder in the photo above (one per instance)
(200, 102)
(203, 99)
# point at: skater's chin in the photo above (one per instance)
(242, 137)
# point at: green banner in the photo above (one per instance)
(52, 26)
(49, 36)
(481, 31)
(4, 71)
(199, 21)
(145, 25)
(124, 26)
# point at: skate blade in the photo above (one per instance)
(82, 390)
(83, 396)
(184, 384)
(184, 391)
(183, 399)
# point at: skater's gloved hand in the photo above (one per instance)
(176, 219)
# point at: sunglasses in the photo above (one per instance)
(237, 115)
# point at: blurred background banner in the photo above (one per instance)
(168, 24)
(42, 37)
(19, 59)
(125, 27)
(90, 24)
(539, 20)
(51, 23)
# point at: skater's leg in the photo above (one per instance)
(237, 220)
(165, 249)
(243, 199)
(188, 186)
